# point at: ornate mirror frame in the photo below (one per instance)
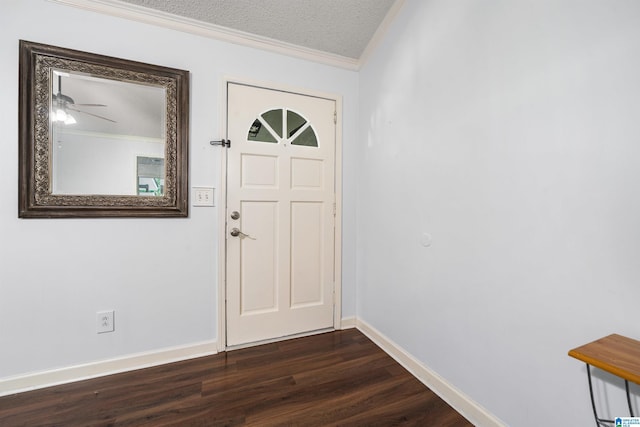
(36, 199)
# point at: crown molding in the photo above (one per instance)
(133, 12)
(382, 30)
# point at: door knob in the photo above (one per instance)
(235, 215)
(235, 232)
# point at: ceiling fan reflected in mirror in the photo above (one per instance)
(63, 105)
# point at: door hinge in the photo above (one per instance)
(335, 117)
(334, 209)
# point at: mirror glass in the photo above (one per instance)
(100, 129)
(101, 136)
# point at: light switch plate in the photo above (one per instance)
(203, 196)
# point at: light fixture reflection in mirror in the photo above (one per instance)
(117, 122)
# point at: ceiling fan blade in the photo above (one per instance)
(90, 105)
(91, 114)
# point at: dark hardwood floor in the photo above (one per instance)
(338, 378)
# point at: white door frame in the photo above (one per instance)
(222, 202)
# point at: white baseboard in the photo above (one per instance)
(348, 322)
(454, 397)
(475, 413)
(36, 380)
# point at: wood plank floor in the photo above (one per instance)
(337, 378)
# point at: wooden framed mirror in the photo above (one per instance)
(101, 136)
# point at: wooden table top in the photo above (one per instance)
(615, 354)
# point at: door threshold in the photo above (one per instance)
(284, 338)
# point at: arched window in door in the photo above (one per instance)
(282, 124)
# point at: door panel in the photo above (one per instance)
(307, 223)
(280, 178)
(306, 174)
(259, 275)
(259, 171)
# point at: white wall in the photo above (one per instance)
(505, 129)
(508, 131)
(55, 274)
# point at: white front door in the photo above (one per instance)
(280, 213)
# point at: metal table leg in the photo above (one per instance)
(626, 386)
(599, 421)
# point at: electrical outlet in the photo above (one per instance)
(203, 196)
(104, 321)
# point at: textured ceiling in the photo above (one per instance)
(342, 27)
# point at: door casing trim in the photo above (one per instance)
(222, 204)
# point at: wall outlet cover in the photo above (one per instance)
(104, 321)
